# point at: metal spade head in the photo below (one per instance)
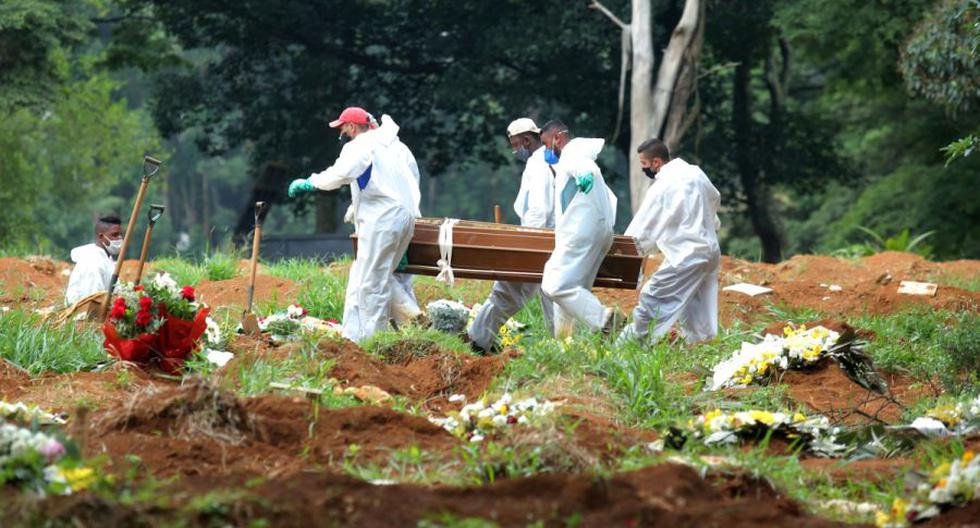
(260, 210)
(155, 212)
(150, 166)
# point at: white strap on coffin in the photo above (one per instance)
(446, 251)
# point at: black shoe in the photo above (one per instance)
(480, 351)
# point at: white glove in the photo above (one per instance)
(349, 215)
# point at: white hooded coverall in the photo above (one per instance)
(535, 207)
(583, 234)
(678, 216)
(385, 207)
(404, 305)
(92, 272)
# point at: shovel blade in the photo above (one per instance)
(250, 325)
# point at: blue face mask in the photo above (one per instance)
(550, 157)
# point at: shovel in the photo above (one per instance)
(250, 325)
(156, 211)
(150, 167)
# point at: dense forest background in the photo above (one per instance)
(843, 124)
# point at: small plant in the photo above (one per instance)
(904, 242)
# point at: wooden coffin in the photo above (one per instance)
(507, 252)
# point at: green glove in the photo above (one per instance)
(300, 186)
(403, 263)
(584, 183)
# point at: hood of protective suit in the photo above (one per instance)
(88, 251)
(578, 158)
(387, 133)
(584, 147)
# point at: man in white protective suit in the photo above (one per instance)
(95, 262)
(585, 212)
(385, 205)
(678, 217)
(535, 208)
(404, 304)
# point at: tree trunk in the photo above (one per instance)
(658, 111)
(757, 195)
(641, 99)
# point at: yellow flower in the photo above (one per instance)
(762, 416)
(79, 478)
(941, 471)
(898, 508)
(787, 331)
(968, 456)
(711, 415)
(503, 409)
(882, 519)
(799, 417)
(941, 484)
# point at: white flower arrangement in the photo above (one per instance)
(720, 428)
(294, 320)
(449, 316)
(753, 362)
(477, 420)
(39, 461)
(22, 413)
(957, 419)
(951, 484)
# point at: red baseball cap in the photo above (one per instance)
(352, 114)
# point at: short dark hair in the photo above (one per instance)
(104, 223)
(654, 148)
(555, 125)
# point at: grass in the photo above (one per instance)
(30, 343)
(215, 267)
(647, 386)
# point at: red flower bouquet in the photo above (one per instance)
(155, 323)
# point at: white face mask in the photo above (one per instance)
(114, 247)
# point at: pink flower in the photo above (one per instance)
(52, 450)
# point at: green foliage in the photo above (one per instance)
(939, 60)
(35, 40)
(323, 289)
(920, 198)
(961, 148)
(30, 343)
(903, 242)
(221, 266)
(60, 164)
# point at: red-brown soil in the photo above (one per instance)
(665, 495)
(869, 285)
(66, 392)
(198, 429)
(967, 516)
(234, 292)
(826, 389)
(871, 470)
(430, 379)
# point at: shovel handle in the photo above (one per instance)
(256, 237)
(125, 245)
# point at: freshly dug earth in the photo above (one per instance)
(870, 285)
(966, 517)
(429, 378)
(666, 495)
(234, 292)
(66, 392)
(826, 389)
(198, 429)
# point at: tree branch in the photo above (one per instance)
(594, 4)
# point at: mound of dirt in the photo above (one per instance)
(66, 392)
(198, 429)
(873, 470)
(965, 517)
(234, 292)
(34, 281)
(664, 495)
(430, 378)
(826, 389)
(869, 285)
